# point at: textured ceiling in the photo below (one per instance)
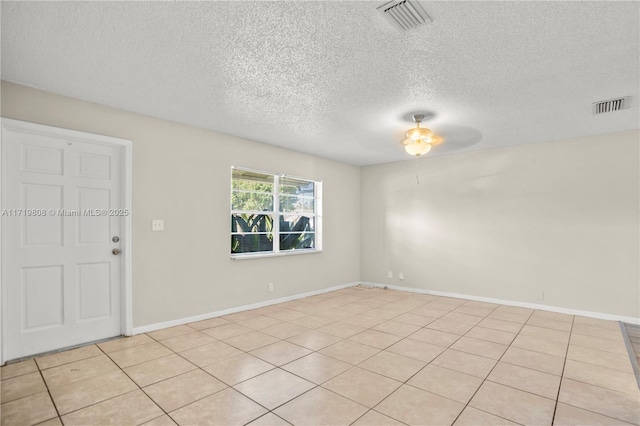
(334, 78)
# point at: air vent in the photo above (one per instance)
(610, 105)
(405, 14)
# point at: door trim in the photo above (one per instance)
(126, 273)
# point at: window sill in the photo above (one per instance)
(280, 254)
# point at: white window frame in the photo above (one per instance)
(277, 214)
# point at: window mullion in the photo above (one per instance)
(276, 214)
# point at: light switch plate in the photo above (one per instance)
(157, 225)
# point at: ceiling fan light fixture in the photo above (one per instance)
(417, 148)
(419, 139)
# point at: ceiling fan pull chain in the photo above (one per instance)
(417, 178)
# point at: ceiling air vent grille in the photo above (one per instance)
(404, 14)
(610, 105)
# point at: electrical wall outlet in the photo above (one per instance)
(390, 274)
(270, 286)
(540, 295)
(401, 276)
(157, 225)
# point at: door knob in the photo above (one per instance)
(115, 252)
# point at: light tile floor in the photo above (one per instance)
(356, 356)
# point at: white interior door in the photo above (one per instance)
(62, 216)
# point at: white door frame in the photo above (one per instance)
(126, 301)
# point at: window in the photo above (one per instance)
(273, 214)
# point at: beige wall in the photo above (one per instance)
(181, 174)
(561, 217)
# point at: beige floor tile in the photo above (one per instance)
(314, 340)
(545, 333)
(465, 363)
(227, 331)
(474, 310)
(124, 343)
(567, 415)
(184, 389)
(52, 422)
(169, 332)
(286, 315)
(269, 419)
(250, 341)
(208, 323)
(335, 313)
(78, 370)
(513, 404)
(500, 325)
(525, 379)
(550, 323)
(435, 337)
(317, 368)
(184, 342)
(18, 369)
(364, 320)
(158, 369)
(132, 408)
(598, 343)
(508, 316)
(208, 354)
(351, 352)
(474, 417)
(413, 319)
(490, 335)
(227, 407)
(594, 331)
(392, 365)
(354, 308)
(313, 321)
(259, 322)
(556, 316)
(421, 351)
(450, 326)
(91, 391)
(479, 347)
(445, 382)
(397, 328)
(274, 388)
(539, 344)
(601, 376)
(619, 405)
(597, 357)
(237, 369)
(534, 360)
(373, 418)
(341, 329)
(160, 421)
(376, 339)
(414, 406)
(280, 353)
(321, 407)
(30, 410)
(139, 354)
(56, 359)
(284, 330)
(362, 386)
(385, 313)
(240, 316)
(612, 325)
(430, 312)
(21, 386)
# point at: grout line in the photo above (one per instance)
(55, 407)
(564, 364)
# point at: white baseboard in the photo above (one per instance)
(201, 317)
(599, 315)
